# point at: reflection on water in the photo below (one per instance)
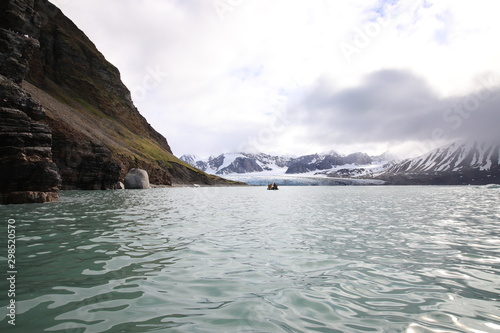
(302, 259)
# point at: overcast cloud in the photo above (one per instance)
(296, 77)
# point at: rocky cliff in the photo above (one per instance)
(66, 112)
(27, 172)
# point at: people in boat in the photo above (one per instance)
(270, 186)
(275, 186)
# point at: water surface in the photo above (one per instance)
(302, 259)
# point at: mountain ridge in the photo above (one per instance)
(458, 163)
(319, 169)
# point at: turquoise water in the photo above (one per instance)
(302, 259)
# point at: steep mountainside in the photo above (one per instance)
(98, 134)
(27, 172)
(458, 163)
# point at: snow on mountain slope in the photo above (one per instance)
(455, 157)
(458, 163)
(325, 169)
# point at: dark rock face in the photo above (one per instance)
(358, 158)
(27, 172)
(329, 162)
(241, 165)
(298, 167)
(14, 96)
(85, 166)
(19, 28)
(15, 52)
(20, 16)
(26, 164)
(324, 162)
(98, 133)
(216, 162)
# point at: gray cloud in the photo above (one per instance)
(228, 75)
(395, 105)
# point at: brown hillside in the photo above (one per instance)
(98, 133)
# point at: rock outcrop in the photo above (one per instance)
(67, 121)
(241, 165)
(27, 172)
(90, 127)
(137, 179)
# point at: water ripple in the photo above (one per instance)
(333, 259)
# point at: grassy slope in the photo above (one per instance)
(82, 121)
(88, 105)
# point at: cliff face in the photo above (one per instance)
(67, 120)
(68, 59)
(98, 133)
(27, 172)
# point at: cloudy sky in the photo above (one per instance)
(297, 77)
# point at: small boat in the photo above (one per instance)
(272, 187)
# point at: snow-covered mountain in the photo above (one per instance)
(229, 163)
(456, 163)
(239, 163)
(308, 169)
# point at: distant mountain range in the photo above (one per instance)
(453, 164)
(231, 163)
(459, 163)
(315, 169)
